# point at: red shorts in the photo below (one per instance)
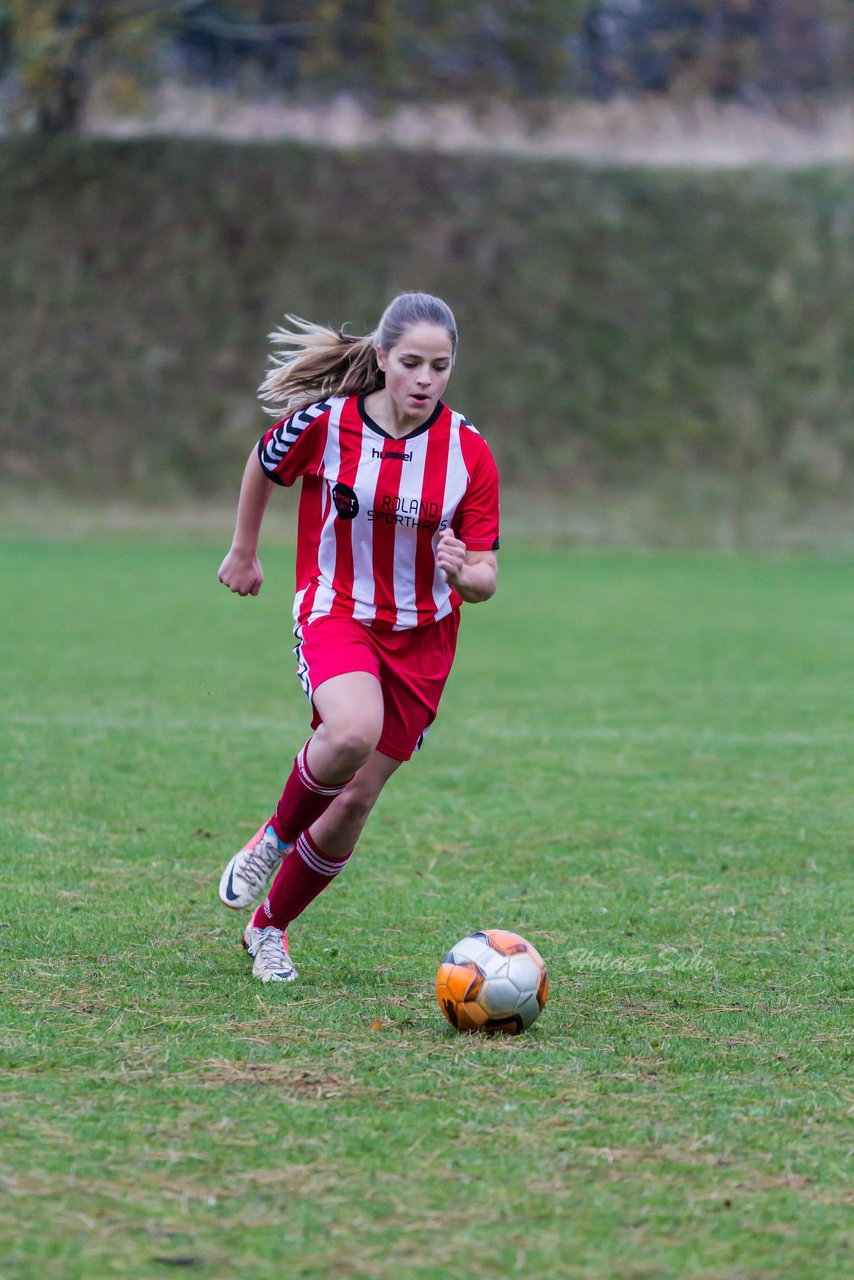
(412, 667)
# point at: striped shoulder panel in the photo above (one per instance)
(467, 422)
(286, 434)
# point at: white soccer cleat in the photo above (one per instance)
(269, 950)
(245, 878)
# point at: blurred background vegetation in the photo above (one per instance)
(393, 50)
(621, 327)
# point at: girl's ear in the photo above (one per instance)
(381, 358)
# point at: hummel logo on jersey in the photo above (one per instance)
(396, 455)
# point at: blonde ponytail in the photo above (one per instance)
(324, 362)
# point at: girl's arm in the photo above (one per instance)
(472, 574)
(241, 570)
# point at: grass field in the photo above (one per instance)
(643, 764)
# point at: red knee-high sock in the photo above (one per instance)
(303, 800)
(304, 874)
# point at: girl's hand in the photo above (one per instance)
(472, 574)
(242, 573)
(450, 556)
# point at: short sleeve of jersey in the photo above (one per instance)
(294, 446)
(477, 516)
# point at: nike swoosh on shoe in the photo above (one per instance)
(229, 888)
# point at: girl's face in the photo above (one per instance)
(417, 369)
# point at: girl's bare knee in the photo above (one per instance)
(352, 743)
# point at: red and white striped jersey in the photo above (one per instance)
(372, 506)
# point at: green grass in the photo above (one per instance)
(643, 764)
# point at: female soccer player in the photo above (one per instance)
(398, 525)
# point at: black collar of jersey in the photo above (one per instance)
(375, 426)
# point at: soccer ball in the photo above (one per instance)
(492, 981)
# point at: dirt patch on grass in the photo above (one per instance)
(216, 1072)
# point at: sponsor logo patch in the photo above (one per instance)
(346, 502)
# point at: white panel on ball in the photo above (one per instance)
(500, 996)
(524, 972)
(470, 949)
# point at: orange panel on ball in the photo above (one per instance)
(445, 971)
(470, 1016)
(463, 981)
(509, 944)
